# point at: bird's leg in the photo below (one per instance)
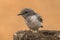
(35, 31)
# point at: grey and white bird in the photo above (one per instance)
(33, 20)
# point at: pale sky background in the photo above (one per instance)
(10, 22)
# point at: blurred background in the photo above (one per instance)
(10, 22)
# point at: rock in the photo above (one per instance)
(40, 35)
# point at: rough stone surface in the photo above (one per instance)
(40, 35)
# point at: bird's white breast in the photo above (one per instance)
(33, 18)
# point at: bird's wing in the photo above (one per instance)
(40, 18)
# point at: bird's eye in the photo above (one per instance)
(26, 12)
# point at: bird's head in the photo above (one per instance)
(26, 12)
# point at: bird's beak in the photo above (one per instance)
(19, 14)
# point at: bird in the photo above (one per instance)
(33, 20)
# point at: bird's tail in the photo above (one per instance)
(41, 26)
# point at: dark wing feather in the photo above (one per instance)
(39, 18)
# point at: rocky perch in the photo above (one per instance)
(40, 35)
